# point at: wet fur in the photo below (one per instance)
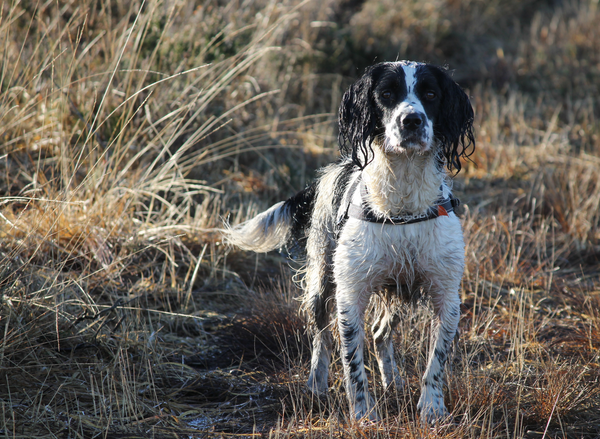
(399, 141)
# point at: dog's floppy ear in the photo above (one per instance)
(455, 125)
(358, 121)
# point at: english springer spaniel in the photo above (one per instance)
(379, 227)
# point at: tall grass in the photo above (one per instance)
(129, 129)
(108, 144)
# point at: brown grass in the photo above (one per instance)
(129, 130)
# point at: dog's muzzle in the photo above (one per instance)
(412, 130)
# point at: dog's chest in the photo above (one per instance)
(394, 251)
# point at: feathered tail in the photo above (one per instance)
(276, 227)
(267, 231)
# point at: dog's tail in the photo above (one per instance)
(280, 225)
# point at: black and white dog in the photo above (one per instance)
(379, 226)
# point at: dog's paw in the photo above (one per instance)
(432, 409)
(317, 384)
(366, 414)
(398, 382)
(393, 380)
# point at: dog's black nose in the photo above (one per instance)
(412, 121)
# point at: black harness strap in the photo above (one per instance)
(442, 207)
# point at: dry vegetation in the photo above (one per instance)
(129, 129)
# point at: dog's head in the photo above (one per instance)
(406, 106)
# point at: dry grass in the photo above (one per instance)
(129, 129)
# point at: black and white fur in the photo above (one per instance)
(401, 125)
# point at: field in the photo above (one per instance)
(131, 129)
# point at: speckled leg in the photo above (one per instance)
(443, 329)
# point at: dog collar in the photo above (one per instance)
(442, 207)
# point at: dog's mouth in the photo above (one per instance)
(417, 142)
(414, 140)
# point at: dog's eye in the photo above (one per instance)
(386, 94)
(430, 95)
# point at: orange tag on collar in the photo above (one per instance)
(442, 211)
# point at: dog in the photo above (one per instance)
(378, 227)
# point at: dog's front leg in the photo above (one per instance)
(443, 329)
(351, 308)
